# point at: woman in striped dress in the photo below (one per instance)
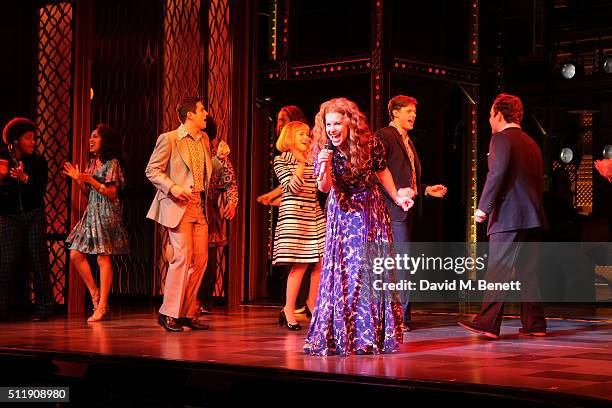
(300, 232)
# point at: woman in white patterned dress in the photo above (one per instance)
(300, 232)
(100, 231)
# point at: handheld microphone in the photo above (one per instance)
(323, 169)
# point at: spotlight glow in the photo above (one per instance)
(566, 155)
(608, 64)
(568, 70)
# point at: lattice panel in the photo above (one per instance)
(584, 188)
(183, 57)
(182, 70)
(219, 54)
(571, 171)
(584, 185)
(589, 62)
(58, 259)
(126, 68)
(220, 269)
(218, 63)
(53, 103)
(161, 266)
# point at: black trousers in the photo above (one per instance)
(402, 235)
(26, 231)
(507, 250)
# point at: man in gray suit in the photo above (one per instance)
(512, 201)
(180, 168)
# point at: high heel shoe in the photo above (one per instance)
(307, 311)
(95, 299)
(99, 314)
(282, 320)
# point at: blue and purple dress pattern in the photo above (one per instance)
(350, 315)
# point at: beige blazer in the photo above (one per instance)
(170, 164)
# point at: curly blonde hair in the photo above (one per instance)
(358, 139)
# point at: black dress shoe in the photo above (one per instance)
(282, 321)
(471, 326)
(536, 333)
(169, 323)
(193, 324)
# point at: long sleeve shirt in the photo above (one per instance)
(17, 197)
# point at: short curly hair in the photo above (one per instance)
(510, 107)
(16, 128)
(187, 104)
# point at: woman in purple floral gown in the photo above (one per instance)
(350, 316)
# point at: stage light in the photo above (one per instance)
(607, 152)
(566, 155)
(607, 66)
(568, 70)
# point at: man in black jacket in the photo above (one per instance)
(512, 201)
(405, 166)
(22, 215)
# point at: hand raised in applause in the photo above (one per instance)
(18, 173)
(71, 171)
(84, 178)
(223, 150)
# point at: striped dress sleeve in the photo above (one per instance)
(290, 183)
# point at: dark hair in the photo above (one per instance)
(16, 128)
(5, 154)
(211, 128)
(294, 113)
(510, 106)
(398, 102)
(111, 144)
(187, 104)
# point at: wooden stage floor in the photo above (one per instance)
(573, 361)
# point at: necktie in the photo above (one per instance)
(411, 158)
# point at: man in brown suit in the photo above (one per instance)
(180, 168)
